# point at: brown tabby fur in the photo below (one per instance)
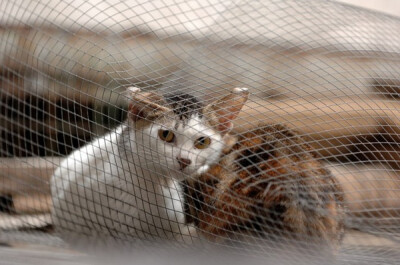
(268, 182)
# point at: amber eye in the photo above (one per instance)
(166, 135)
(202, 142)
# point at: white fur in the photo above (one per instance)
(133, 89)
(238, 90)
(131, 191)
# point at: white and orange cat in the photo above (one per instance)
(126, 184)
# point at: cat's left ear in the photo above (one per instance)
(145, 105)
(222, 112)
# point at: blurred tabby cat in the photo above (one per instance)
(267, 184)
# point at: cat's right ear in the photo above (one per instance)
(145, 105)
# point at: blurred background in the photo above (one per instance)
(64, 64)
(391, 7)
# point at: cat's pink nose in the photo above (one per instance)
(183, 162)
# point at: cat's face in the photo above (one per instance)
(183, 148)
(178, 134)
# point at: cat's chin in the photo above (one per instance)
(202, 169)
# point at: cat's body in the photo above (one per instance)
(96, 192)
(125, 184)
(267, 184)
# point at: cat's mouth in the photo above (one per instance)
(181, 174)
(186, 170)
(190, 171)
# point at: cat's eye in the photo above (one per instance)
(202, 142)
(166, 135)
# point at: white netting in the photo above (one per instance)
(304, 164)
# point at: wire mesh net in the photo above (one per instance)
(265, 126)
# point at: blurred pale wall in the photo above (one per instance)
(391, 7)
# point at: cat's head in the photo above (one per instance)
(178, 134)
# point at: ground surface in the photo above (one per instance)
(37, 246)
(358, 248)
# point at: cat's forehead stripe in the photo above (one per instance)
(185, 107)
(194, 122)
